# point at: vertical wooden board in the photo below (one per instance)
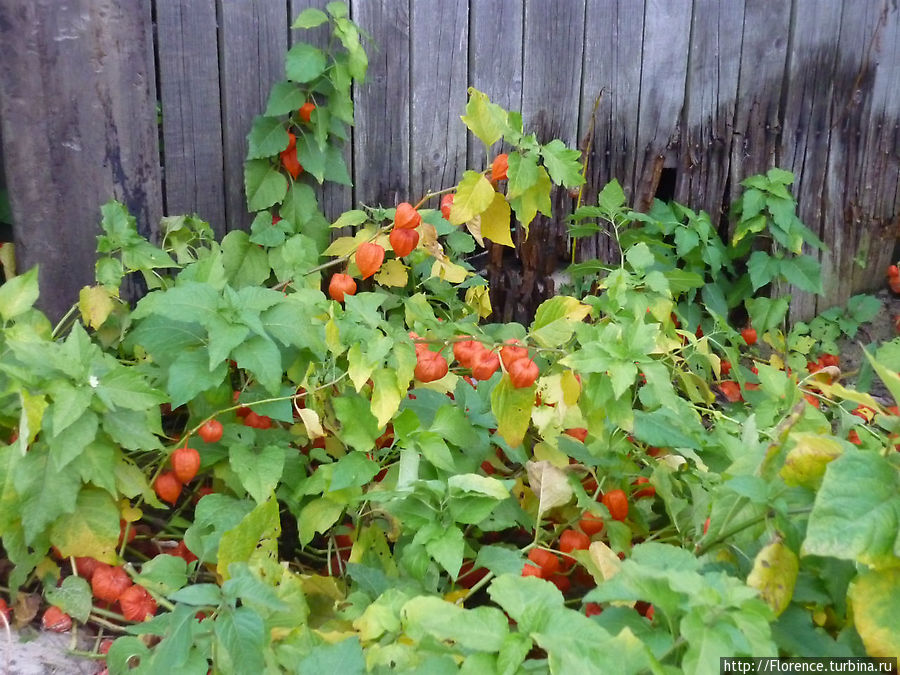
(667, 28)
(78, 108)
(252, 47)
(381, 139)
(495, 59)
(712, 82)
(858, 207)
(612, 71)
(808, 119)
(334, 199)
(188, 59)
(757, 116)
(552, 60)
(439, 76)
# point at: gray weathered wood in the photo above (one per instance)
(381, 140)
(757, 117)
(334, 199)
(495, 59)
(253, 44)
(77, 103)
(552, 57)
(663, 76)
(612, 72)
(188, 58)
(809, 116)
(438, 89)
(860, 154)
(712, 82)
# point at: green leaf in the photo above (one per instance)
(261, 357)
(198, 595)
(639, 256)
(259, 529)
(259, 472)
(890, 378)
(611, 197)
(434, 450)
(873, 597)
(189, 375)
(351, 219)
(447, 549)
(488, 121)
(534, 199)
(17, 295)
(562, 163)
(267, 137)
(310, 18)
(850, 522)
(246, 264)
(762, 268)
(163, 574)
(555, 320)
(512, 408)
(214, 515)
(662, 428)
(344, 657)
(452, 424)
(473, 196)
(318, 516)
(304, 63)
(240, 638)
(481, 629)
(864, 308)
(804, 272)
(73, 597)
(264, 186)
(749, 226)
(529, 601)
(354, 469)
(124, 388)
(767, 313)
(359, 427)
(47, 493)
(284, 98)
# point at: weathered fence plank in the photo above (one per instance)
(381, 141)
(77, 103)
(253, 44)
(552, 56)
(858, 231)
(667, 30)
(439, 63)
(612, 72)
(495, 59)
(712, 82)
(757, 116)
(188, 58)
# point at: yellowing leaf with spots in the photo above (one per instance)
(774, 575)
(876, 612)
(479, 299)
(386, 395)
(392, 273)
(95, 305)
(92, 530)
(806, 462)
(449, 271)
(494, 223)
(512, 408)
(473, 196)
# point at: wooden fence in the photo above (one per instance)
(695, 95)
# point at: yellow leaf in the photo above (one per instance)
(545, 452)
(473, 196)
(571, 388)
(449, 271)
(92, 530)
(512, 408)
(33, 408)
(392, 273)
(479, 299)
(605, 559)
(774, 575)
(806, 462)
(474, 228)
(386, 395)
(310, 419)
(495, 222)
(95, 305)
(549, 483)
(535, 198)
(876, 612)
(428, 239)
(342, 246)
(333, 338)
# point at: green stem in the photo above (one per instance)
(700, 550)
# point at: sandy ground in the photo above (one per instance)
(30, 652)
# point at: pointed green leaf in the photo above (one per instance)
(264, 186)
(304, 62)
(267, 137)
(488, 121)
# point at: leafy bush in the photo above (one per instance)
(386, 482)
